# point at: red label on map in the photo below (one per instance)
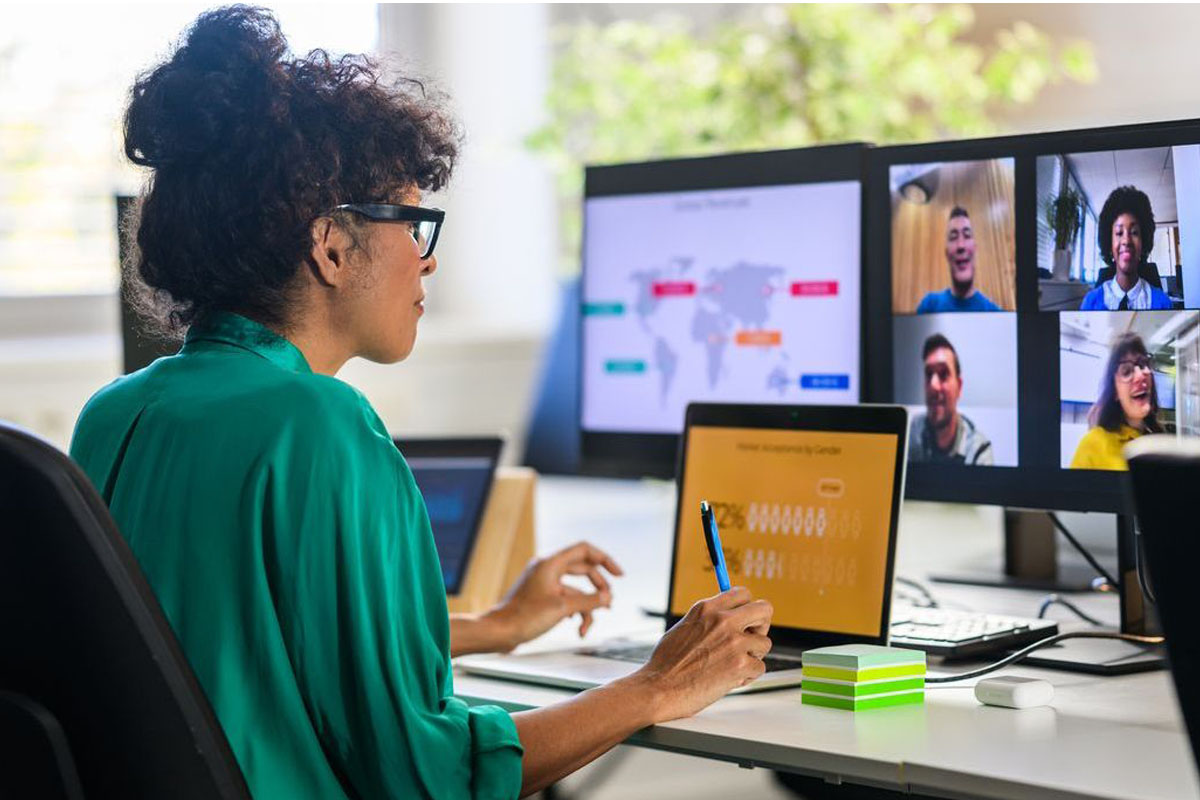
(814, 289)
(673, 289)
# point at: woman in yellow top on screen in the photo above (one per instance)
(1126, 409)
(1126, 236)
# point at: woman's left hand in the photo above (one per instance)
(540, 600)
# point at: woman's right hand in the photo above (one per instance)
(718, 645)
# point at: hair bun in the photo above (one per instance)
(222, 73)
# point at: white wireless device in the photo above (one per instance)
(1012, 691)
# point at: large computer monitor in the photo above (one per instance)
(732, 278)
(1033, 302)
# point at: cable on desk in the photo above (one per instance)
(1082, 550)
(913, 600)
(1055, 600)
(933, 603)
(1017, 656)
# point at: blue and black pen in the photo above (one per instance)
(713, 539)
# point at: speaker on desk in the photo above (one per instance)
(1165, 472)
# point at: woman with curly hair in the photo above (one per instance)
(281, 229)
(1126, 237)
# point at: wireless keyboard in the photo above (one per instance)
(956, 634)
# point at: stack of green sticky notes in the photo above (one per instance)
(860, 676)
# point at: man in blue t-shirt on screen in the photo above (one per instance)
(960, 255)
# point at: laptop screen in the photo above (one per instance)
(455, 479)
(805, 519)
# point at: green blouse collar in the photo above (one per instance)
(229, 328)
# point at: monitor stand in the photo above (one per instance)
(1030, 559)
(1030, 555)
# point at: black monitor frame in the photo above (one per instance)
(654, 454)
(1029, 485)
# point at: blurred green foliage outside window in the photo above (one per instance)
(783, 76)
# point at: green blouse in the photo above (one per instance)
(291, 551)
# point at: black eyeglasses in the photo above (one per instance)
(427, 221)
(1126, 367)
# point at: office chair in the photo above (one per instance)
(1165, 472)
(95, 693)
(1147, 270)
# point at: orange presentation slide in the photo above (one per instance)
(804, 518)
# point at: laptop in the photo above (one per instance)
(455, 478)
(807, 500)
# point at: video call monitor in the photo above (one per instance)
(806, 500)
(732, 278)
(1033, 303)
(455, 479)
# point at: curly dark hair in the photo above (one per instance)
(1106, 412)
(1125, 200)
(248, 145)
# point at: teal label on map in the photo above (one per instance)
(625, 365)
(603, 309)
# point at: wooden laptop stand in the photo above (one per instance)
(504, 545)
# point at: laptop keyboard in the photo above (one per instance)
(640, 654)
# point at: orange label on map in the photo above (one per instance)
(759, 338)
(804, 519)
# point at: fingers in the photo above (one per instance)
(602, 588)
(577, 602)
(583, 604)
(582, 556)
(754, 616)
(585, 623)
(594, 575)
(737, 596)
(758, 646)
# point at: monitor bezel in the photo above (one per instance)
(861, 418)
(1023, 486)
(634, 454)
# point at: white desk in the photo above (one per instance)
(1102, 738)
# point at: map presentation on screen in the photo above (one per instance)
(733, 295)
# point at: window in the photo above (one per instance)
(64, 75)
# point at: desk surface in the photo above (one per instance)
(1116, 737)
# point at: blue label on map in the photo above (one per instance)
(618, 365)
(824, 381)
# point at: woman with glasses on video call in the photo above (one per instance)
(1126, 408)
(281, 229)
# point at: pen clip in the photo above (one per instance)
(706, 521)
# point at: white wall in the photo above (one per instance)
(499, 245)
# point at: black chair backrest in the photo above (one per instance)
(82, 636)
(1165, 474)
